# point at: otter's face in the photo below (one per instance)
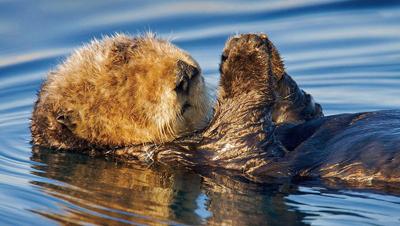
(191, 95)
(174, 92)
(122, 91)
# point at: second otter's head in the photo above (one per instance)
(120, 91)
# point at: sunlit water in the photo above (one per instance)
(347, 54)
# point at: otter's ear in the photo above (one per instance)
(66, 120)
(120, 52)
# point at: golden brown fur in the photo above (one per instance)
(120, 91)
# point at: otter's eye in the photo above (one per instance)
(182, 86)
(195, 72)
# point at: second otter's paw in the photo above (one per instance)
(249, 62)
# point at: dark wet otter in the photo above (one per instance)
(265, 126)
(255, 91)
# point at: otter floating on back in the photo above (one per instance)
(263, 126)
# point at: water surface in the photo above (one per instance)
(345, 53)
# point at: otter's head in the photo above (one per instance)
(121, 91)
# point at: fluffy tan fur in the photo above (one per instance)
(120, 91)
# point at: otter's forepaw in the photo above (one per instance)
(249, 62)
(243, 52)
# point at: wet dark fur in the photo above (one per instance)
(265, 126)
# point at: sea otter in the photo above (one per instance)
(121, 91)
(264, 126)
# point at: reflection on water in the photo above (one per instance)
(346, 53)
(113, 193)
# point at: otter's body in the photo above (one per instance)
(353, 147)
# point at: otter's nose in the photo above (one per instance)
(187, 70)
(186, 74)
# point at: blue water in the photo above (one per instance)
(345, 53)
